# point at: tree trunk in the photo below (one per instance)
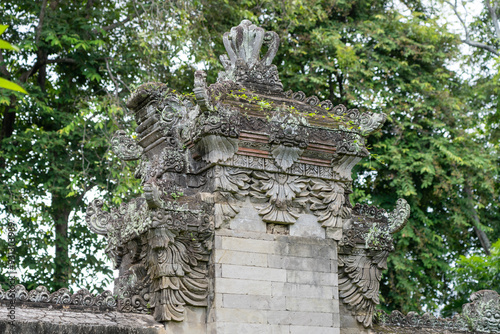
(483, 238)
(62, 268)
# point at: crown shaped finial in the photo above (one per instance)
(243, 63)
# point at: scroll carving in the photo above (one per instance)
(40, 295)
(125, 147)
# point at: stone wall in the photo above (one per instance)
(266, 282)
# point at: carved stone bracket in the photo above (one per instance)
(360, 269)
(124, 147)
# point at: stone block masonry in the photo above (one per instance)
(271, 283)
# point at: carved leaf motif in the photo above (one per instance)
(234, 180)
(177, 279)
(280, 190)
(359, 281)
(286, 156)
(215, 148)
(125, 147)
(224, 212)
(329, 203)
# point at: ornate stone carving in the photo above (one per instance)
(215, 148)
(245, 139)
(359, 279)
(482, 315)
(286, 156)
(133, 290)
(329, 203)
(171, 244)
(173, 262)
(201, 91)
(40, 295)
(483, 311)
(370, 122)
(152, 195)
(125, 147)
(427, 320)
(243, 44)
(360, 269)
(279, 190)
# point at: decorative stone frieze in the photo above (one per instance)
(482, 315)
(40, 296)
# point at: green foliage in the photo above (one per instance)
(6, 83)
(473, 273)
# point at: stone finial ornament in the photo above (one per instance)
(243, 140)
(243, 45)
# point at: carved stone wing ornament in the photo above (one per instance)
(360, 269)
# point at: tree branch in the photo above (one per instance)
(61, 60)
(483, 238)
(3, 68)
(40, 63)
(112, 77)
(467, 40)
(117, 24)
(494, 18)
(38, 30)
(462, 22)
(481, 46)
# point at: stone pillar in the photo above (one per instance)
(273, 280)
(245, 225)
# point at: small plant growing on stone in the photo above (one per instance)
(176, 195)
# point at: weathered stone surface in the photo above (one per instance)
(482, 315)
(51, 321)
(366, 243)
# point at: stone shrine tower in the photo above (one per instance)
(245, 225)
